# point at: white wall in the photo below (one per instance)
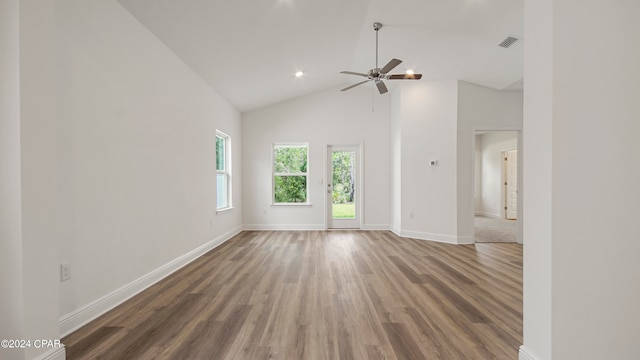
(40, 173)
(11, 275)
(396, 164)
(437, 121)
(490, 193)
(595, 175)
(537, 156)
(327, 117)
(480, 108)
(137, 155)
(581, 179)
(424, 123)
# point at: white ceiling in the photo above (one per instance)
(249, 50)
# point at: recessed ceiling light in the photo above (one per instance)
(299, 74)
(409, 72)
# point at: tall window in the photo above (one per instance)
(223, 166)
(290, 173)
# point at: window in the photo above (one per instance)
(223, 166)
(290, 173)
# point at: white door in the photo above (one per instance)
(343, 193)
(511, 185)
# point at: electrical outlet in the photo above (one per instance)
(65, 271)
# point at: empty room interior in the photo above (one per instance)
(296, 179)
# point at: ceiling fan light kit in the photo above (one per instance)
(377, 75)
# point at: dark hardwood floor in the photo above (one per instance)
(322, 295)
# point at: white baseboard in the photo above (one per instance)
(525, 354)
(285, 227)
(306, 227)
(80, 317)
(465, 240)
(449, 239)
(56, 353)
(489, 215)
(375, 227)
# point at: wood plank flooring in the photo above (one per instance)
(322, 295)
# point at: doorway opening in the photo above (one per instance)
(496, 186)
(343, 187)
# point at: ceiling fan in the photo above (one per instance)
(377, 74)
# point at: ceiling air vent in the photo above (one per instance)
(509, 42)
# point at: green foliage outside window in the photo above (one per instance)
(290, 174)
(343, 177)
(290, 189)
(220, 153)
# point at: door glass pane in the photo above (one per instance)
(344, 185)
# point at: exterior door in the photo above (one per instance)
(511, 184)
(343, 195)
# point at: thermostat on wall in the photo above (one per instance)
(433, 163)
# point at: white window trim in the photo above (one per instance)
(291, 204)
(274, 174)
(226, 172)
(224, 210)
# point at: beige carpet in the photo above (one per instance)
(495, 230)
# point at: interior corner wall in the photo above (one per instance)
(595, 173)
(537, 178)
(436, 120)
(424, 129)
(581, 179)
(40, 174)
(319, 119)
(136, 133)
(479, 108)
(11, 274)
(396, 164)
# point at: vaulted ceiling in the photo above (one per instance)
(249, 50)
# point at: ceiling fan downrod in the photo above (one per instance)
(377, 26)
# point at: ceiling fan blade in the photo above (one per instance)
(382, 88)
(390, 65)
(353, 73)
(404, 77)
(354, 85)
